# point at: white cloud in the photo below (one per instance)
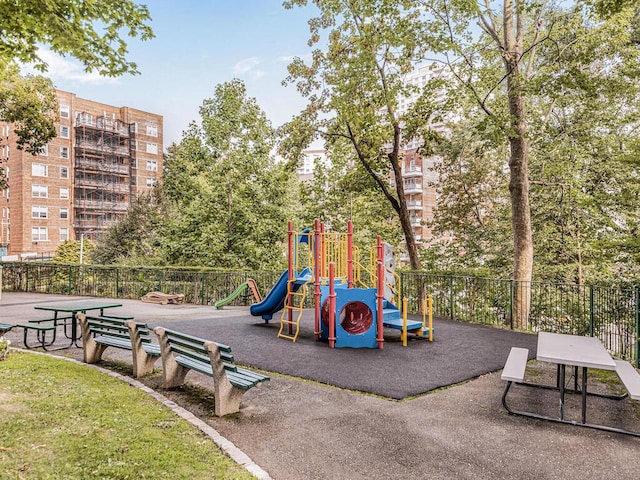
(61, 69)
(248, 67)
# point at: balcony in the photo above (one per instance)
(412, 171)
(416, 221)
(413, 188)
(101, 205)
(413, 205)
(96, 165)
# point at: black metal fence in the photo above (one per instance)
(200, 287)
(611, 314)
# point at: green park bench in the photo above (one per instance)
(182, 353)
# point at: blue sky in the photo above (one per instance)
(199, 44)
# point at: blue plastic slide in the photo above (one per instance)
(274, 300)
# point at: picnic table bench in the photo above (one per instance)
(99, 333)
(587, 353)
(41, 327)
(182, 353)
(6, 327)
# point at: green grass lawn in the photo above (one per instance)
(61, 420)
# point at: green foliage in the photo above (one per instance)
(133, 239)
(89, 30)
(353, 88)
(227, 198)
(30, 105)
(68, 253)
(582, 95)
(471, 220)
(341, 190)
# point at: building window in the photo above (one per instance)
(152, 130)
(64, 152)
(39, 212)
(64, 111)
(64, 172)
(152, 165)
(64, 192)
(44, 150)
(84, 118)
(64, 131)
(39, 170)
(40, 191)
(152, 148)
(64, 234)
(134, 127)
(64, 213)
(39, 234)
(151, 182)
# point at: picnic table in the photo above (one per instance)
(75, 307)
(578, 352)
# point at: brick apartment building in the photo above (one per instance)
(83, 181)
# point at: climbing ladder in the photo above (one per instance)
(294, 304)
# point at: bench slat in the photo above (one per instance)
(113, 342)
(630, 377)
(516, 364)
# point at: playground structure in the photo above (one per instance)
(250, 284)
(353, 303)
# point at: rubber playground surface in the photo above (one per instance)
(459, 352)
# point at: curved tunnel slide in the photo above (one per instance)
(274, 300)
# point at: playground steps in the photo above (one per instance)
(294, 302)
(392, 318)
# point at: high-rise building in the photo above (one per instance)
(83, 180)
(310, 158)
(418, 171)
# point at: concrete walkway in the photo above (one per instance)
(298, 429)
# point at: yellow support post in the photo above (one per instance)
(403, 336)
(430, 303)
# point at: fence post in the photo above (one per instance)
(511, 287)
(591, 315)
(637, 327)
(451, 300)
(202, 288)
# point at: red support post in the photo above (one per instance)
(350, 254)
(323, 259)
(380, 293)
(316, 278)
(332, 306)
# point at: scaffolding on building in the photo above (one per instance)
(104, 159)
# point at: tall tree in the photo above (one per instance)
(341, 190)
(354, 87)
(88, 30)
(227, 193)
(134, 239)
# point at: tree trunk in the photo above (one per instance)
(403, 214)
(520, 207)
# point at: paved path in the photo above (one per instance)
(301, 429)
